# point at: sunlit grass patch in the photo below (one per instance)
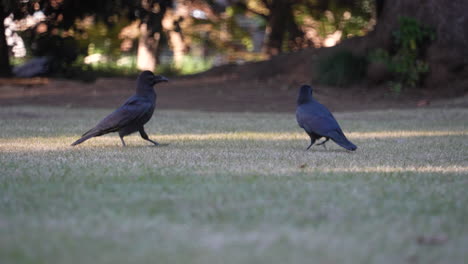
(56, 143)
(406, 134)
(386, 169)
(233, 188)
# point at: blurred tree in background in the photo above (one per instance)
(189, 36)
(6, 8)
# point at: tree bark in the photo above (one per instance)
(281, 28)
(150, 32)
(448, 19)
(277, 26)
(379, 7)
(447, 54)
(171, 24)
(296, 39)
(178, 48)
(147, 48)
(5, 67)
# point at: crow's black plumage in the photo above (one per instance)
(133, 114)
(317, 121)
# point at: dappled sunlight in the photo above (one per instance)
(391, 169)
(405, 134)
(33, 144)
(63, 142)
(301, 135)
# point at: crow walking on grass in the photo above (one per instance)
(133, 114)
(317, 121)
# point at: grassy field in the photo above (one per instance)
(234, 188)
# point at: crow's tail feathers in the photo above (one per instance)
(341, 140)
(85, 137)
(81, 140)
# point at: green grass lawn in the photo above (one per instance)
(234, 188)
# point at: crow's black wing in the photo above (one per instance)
(314, 117)
(131, 111)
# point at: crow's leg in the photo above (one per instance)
(323, 143)
(312, 141)
(123, 142)
(145, 136)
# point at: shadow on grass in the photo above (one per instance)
(161, 145)
(322, 150)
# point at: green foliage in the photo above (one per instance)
(406, 62)
(341, 68)
(167, 70)
(411, 35)
(100, 38)
(90, 72)
(194, 64)
(228, 35)
(189, 65)
(350, 18)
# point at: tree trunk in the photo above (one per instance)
(447, 55)
(178, 48)
(277, 26)
(5, 67)
(379, 5)
(296, 39)
(171, 24)
(449, 19)
(147, 48)
(150, 32)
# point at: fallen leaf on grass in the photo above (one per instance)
(423, 102)
(432, 240)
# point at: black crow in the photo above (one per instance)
(133, 114)
(317, 121)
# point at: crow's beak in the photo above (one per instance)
(162, 79)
